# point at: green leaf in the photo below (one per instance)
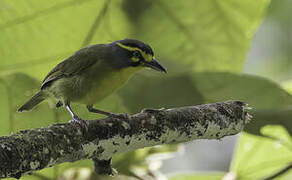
(271, 116)
(266, 98)
(287, 85)
(206, 34)
(16, 89)
(259, 93)
(36, 35)
(159, 91)
(198, 176)
(257, 157)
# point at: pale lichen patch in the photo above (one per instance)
(79, 132)
(121, 146)
(34, 165)
(24, 163)
(153, 120)
(211, 130)
(46, 151)
(51, 162)
(89, 148)
(5, 147)
(126, 125)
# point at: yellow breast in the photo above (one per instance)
(108, 84)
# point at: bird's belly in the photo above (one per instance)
(91, 88)
(100, 90)
(103, 87)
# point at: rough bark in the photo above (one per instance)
(31, 150)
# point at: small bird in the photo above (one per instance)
(92, 74)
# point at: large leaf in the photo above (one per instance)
(266, 98)
(36, 35)
(16, 89)
(259, 93)
(257, 157)
(208, 34)
(157, 91)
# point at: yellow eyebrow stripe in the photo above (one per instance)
(147, 57)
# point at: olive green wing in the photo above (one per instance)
(74, 65)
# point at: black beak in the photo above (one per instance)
(153, 64)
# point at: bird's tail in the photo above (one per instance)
(35, 100)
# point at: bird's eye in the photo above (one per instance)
(136, 54)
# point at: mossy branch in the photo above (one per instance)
(31, 150)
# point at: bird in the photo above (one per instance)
(93, 73)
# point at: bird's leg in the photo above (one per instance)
(119, 116)
(93, 110)
(75, 118)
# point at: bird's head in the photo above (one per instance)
(134, 53)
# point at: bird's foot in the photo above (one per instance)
(83, 123)
(120, 116)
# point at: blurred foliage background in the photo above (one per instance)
(203, 43)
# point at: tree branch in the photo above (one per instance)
(31, 150)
